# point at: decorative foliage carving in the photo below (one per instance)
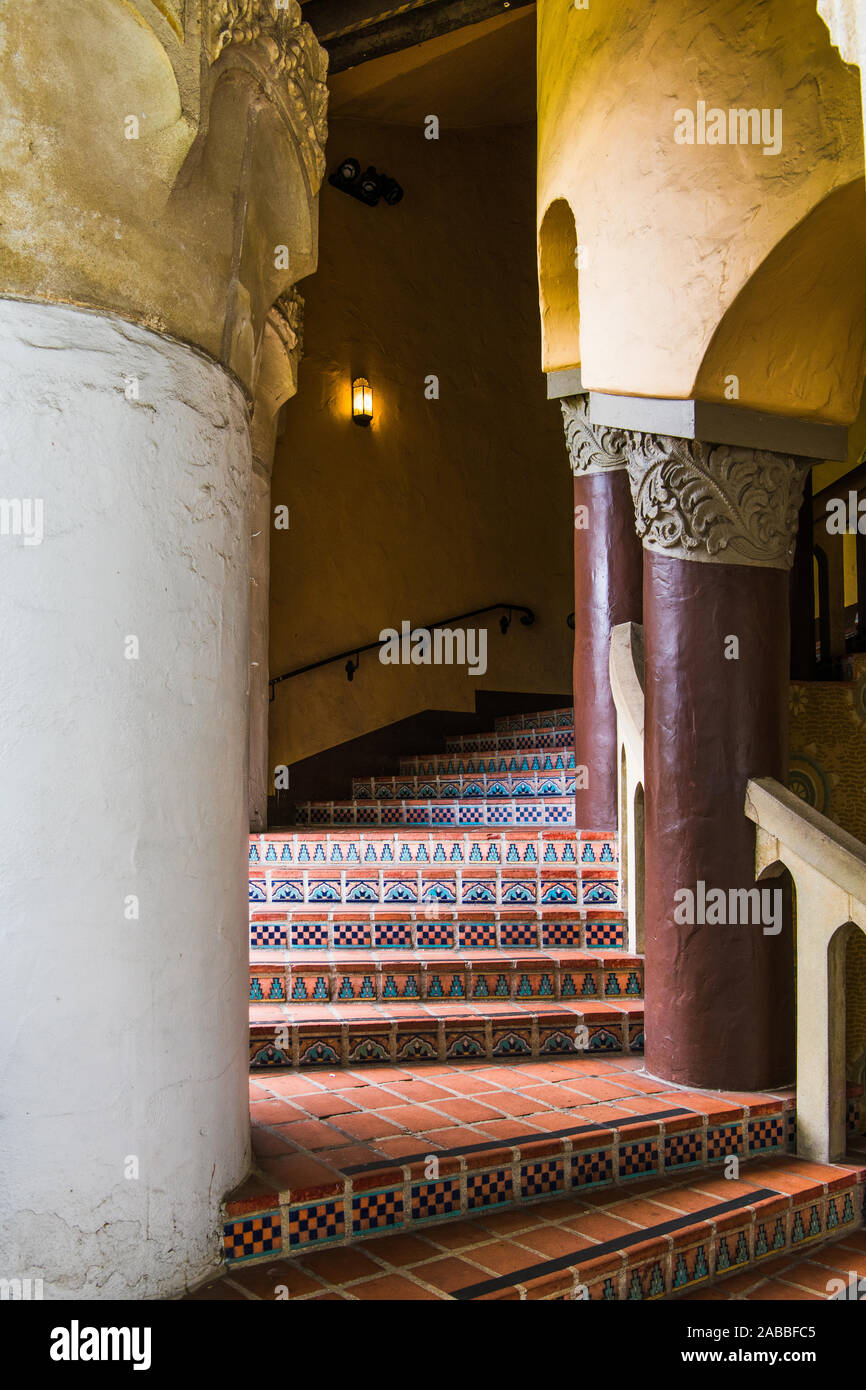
(287, 318)
(591, 448)
(291, 57)
(715, 502)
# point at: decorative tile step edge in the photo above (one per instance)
(429, 845)
(382, 929)
(541, 719)
(506, 740)
(688, 1252)
(526, 811)
(517, 784)
(660, 1261)
(285, 1042)
(411, 1193)
(298, 983)
(531, 758)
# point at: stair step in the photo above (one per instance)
(517, 811)
(420, 869)
(527, 759)
(660, 1239)
(813, 1273)
(502, 741)
(498, 785)
(349, 1156)
(543, 719)
(305, 929)
(448, 1029)
(322, 976)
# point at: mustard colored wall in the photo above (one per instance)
(441, 505)
(702, 261)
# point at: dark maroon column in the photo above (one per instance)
(608, 565)
(719, 999)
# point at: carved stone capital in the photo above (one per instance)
(277, 372)
(591, 448)
(715, 503)
(172, 177)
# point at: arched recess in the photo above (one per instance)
(639, 869)
(558, 284)
(794, 339)
(840, 949)
(855, 1026)
(777, 876)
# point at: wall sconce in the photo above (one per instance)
(362, 401)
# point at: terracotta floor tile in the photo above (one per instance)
(391, 1288)
(448, 1274)
(470, 1085)
(309, 1134)
(267, 1144)
(551, 1242)
(598, 1227)
(513, 1129)
(323, 1105)
(292, 1084)
(513, 1103)
(416, 1118)
(415, 1092)
(340, 1266)
(275, 1111)
(501, 1257)
(368, 1124)
(401, 1249)
(299, 1173)
(469, 1110)
(778, 1292)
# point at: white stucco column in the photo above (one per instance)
(123, 818)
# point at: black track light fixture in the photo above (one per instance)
(368, 187)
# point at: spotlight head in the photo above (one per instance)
(349, 170)
(370, 186)
(504, 623)
(390, 190)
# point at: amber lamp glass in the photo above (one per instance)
(362, 401)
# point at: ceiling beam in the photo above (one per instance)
(356, 31)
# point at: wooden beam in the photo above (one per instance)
(356, 31)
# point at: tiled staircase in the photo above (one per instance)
(447, 1091)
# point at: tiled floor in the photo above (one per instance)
(343, 1118)
(656, 1238)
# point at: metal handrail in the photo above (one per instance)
(527, 618)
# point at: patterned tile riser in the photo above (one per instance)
(298, 983)
(581, 930)
(427, 1039)
(429, 871)
(524, 811)
(558, 757)
(511, 1178)
(520, 784)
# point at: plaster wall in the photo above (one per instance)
(441, 505)
(123, 1037)
(701, 261)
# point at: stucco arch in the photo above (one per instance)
(559, 287)
(674, 230)
(795, 336)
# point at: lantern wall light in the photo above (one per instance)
(362, 401)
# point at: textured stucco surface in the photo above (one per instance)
(121, 777)
(441, 505)
(674, 233)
